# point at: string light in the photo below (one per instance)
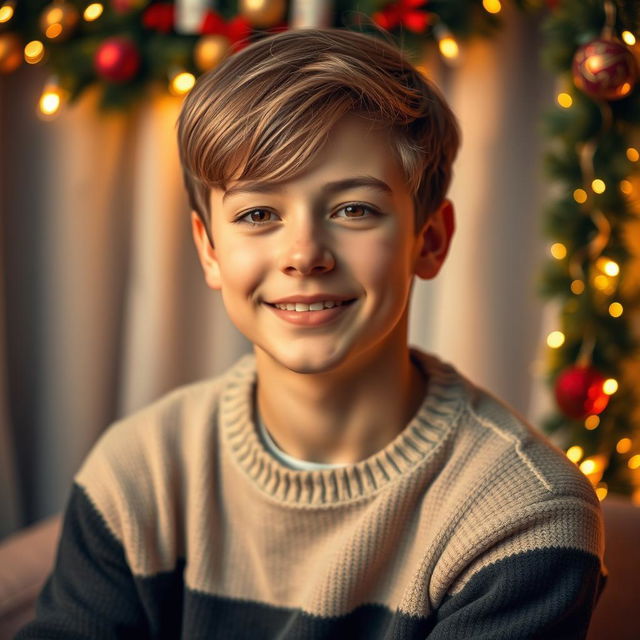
(591, 422)
(93, 12)
(51, 99)
(610, 386)
(588, 466)
(558, 250)
(181, 83)
(610, 267)
(615, 309)
(634, 462)
(633, 155)
(626, 187)
(601, 491)
(629, 38)
(34, 52)
(623, 445)
(555, 339)
(577, 287)
(492, 6)
(447, 44)
(564, 100)
(580, 196)
(575, 453)
(598, 186)
(602, 283)
(7, 11)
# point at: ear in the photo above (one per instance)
(206, 252)
(435, 238)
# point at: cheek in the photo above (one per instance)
(241, 270)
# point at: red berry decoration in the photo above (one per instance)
(117, 59)
(604, 69)
(579, 392)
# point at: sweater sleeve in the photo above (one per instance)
(91, 592)
(546, 593)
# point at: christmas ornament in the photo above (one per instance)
(262, 13)
(210, 50)
(604, 69)
(159, 17)
(404, 13)
(117, 59)
(580, 393)
(58, 20)
(10, 52)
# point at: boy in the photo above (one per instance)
(336, 483)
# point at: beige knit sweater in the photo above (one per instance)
(469, 524)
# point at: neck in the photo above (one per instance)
(344, 415)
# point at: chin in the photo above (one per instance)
(306, 360)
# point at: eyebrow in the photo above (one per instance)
(327, 189)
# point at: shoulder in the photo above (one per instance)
(142, 466)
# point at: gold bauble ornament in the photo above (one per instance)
(210, 50)
(10, 52)
(262, 13)
(58, 20)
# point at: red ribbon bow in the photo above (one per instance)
(159, 17)
(237, 30)
(406, 13)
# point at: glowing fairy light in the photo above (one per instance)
(492, 6)
(623, 445)
(629, 38)
(564, 100)
(580, 196)
(633, 155)
(93, 12)
(615, 309)
(577, 287)
(592, 422)
(610, 386)
(555, 339)
(182, 83)
(558, 250)
(598, 186)
(575, 453)
(34, 52)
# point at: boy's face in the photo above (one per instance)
(311, 236)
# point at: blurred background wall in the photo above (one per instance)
(102, 303)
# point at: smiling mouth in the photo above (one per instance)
(302, 307)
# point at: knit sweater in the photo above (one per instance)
(468, 525)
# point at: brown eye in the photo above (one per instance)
(259, 215)
(354, 210)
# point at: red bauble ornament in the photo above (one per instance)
(604, 69)
(579, 392)
(117, 59)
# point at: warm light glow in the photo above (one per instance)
(575, 453)
(625, 88)
(591, 422)
(6, 12)
(615, 309)
(610, 386)
(93, 11)
(626, 187)
(53, 30)
(635, 497)
(580, 196)
(589, 465)
(598, 186)
(634, 462)
(610, 267)
(492, 6)
(34, 51)
(182, 83)
(54, 15)
(577, 287)
(623, 445)
(629, 38)
(601, 491)
(558, 250)
(448, 47)
(555, 339)
(49, 102)
(564, 100)
(601, 282)
(633, 155)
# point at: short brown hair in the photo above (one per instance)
(268, 109)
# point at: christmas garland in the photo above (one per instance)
(126, 46)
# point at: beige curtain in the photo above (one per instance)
(104, 305)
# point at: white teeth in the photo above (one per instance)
(314, 306)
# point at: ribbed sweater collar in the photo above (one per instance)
(405, 453)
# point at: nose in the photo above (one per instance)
(306, 251)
